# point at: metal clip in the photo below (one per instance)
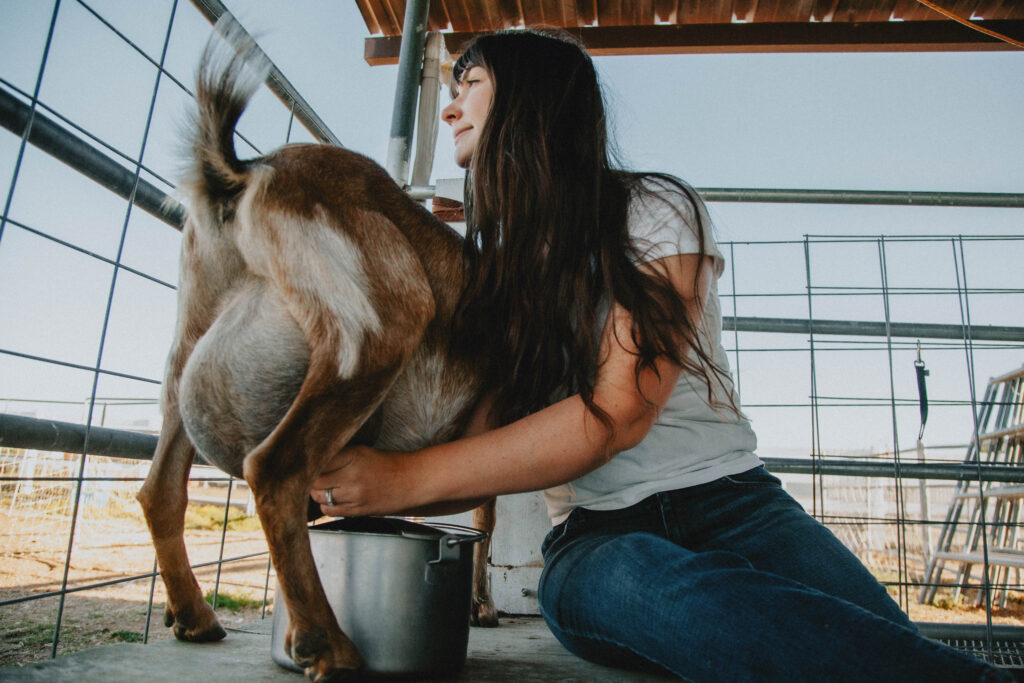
(448, 553)
(447, 549)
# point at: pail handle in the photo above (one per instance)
(448, 545)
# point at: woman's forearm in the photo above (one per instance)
(550, 447)
(555, 445)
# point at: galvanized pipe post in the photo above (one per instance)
(403, 117)
(428, 115)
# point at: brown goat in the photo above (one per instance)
(314, 310)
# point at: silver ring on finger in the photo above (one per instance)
(329, 494)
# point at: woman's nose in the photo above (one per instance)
(451, 113)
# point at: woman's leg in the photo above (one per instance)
(621, 598)
(749, 514)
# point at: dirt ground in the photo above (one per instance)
(964, 613)
(32, 564)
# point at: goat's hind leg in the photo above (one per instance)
(164, 498)
(280, 473)
(222, 394)
(483, 613)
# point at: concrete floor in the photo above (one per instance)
(521, 649)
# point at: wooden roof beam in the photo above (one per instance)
(882, 36)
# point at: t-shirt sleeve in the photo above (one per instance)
(663, 221)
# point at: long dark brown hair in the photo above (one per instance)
(547, 242)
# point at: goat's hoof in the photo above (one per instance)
(188, 626)
(323, 660)
(483, 614)
(335, 676)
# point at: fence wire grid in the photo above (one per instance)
(825, 335)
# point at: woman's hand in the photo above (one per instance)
(359, 481)
(365, 481)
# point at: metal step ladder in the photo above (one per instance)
(986, 516)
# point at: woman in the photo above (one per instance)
(672, 547)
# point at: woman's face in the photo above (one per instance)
(468, 111)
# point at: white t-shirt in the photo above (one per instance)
(691, 442)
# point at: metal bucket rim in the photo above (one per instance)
(455, 533)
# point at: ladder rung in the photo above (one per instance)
(1012, 374)
(1015, 430)
(994, 492)
(1006, 557)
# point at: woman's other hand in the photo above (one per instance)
(359, 481)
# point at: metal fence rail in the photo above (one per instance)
(51, 435)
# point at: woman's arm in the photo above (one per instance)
(552, 446)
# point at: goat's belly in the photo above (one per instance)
(242, 377)
(428, 403)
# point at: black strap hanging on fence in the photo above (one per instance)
(922, 390)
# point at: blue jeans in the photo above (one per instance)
(731, 581)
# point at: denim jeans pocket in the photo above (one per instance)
(757, 477)
(561, 532)
(552, 537)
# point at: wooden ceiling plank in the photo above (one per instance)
(967, 9)
(722, 11)
(665, 10)
(533, 12)
(586, 10)
(824, 10)
(491, 16)
(386, 16)
(394, 11)
(475, 15)
(640, 13)
(705, 12)
(384, 24)
(368, 18)
(795, 11)
(999, 9)
(766, 10)
(567, 14)
(876, 10)
(437, 18)
(962, 8)
(458, 15)
(844, 11)
(479, 15)
(912, 10)
(744, 10)
(609, 12)
(987, 9)
(864, 10)
(887, 36)
(1012, 9)
(508, 13)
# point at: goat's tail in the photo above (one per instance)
(229, 73)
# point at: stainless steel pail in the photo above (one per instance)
(400, 590)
